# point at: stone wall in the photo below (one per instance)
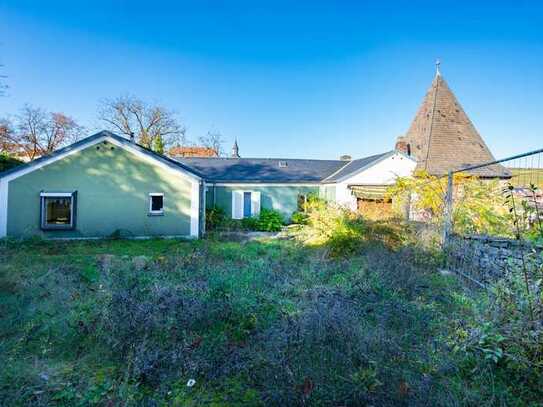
(485, 259)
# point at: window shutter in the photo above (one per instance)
(255, 203)
(237, 204)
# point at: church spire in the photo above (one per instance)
(235, 149)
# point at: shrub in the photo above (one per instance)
(299, 218)
(505, 338)
(250, 223)
(478, 204)
(215, 217)
(338, 227)
(269, 220)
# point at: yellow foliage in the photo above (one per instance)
(478, 205)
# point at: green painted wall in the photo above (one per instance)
(328, 192)
(112, 187)
(281, 198)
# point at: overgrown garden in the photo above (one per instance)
(338, 311)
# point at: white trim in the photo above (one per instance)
(57, 194)
(43, 212)
(255, 203)
(237, 207)
(3, 208)
(339, 170)
(260, 184)
(365, 167)
(195, 209)
(125, 146)
(151, 211)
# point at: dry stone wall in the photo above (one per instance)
(486, 259)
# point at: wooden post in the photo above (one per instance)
(447, 215)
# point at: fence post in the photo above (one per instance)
(447, 218)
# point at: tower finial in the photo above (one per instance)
(438, 72)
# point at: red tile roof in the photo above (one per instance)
(195, 151)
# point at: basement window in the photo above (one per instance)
(57, 210)
(156, 204)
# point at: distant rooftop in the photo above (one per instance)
(192, 151)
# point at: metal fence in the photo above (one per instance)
(493, 218)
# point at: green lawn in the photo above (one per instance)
(272, 322)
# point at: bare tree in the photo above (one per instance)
(6, 129)
(37, 132)
(154, 126)
(213, 140)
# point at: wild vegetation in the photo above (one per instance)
(268, 220)
(486, 207)
(346, 312)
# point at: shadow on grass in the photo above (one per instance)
(270, 322)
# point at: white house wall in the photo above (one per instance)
(384, 172)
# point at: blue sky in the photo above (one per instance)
(288, 79)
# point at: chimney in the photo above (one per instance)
(346, 157)
(132, 138)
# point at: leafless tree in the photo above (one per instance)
(36, 132)
(5, 135)
(154, 126)
(213, 140)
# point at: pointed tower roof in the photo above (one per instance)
(443, 138)
(235, 149)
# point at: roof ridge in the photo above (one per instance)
(337, 171)
(260, 158)
(431, 126)
(369, 160)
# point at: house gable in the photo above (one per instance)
(384, 171)
(114, 179)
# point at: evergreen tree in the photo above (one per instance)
(158, 145)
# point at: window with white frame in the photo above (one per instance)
(156, 203)
(245, 204)
(57, 210)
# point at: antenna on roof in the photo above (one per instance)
(438, 72)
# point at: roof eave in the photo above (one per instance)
(94, 139)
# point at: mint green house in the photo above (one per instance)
(100, 186)
(108, 185)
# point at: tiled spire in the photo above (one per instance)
(442, 137)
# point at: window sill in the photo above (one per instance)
(49, 228)
(155, 214)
